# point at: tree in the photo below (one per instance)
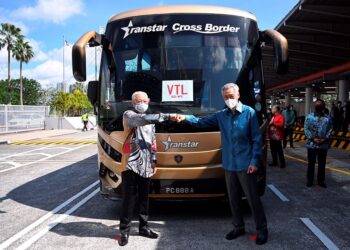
(71, 104)
(79, 86)
(9, 34)
(23, 52)
(62, 103)
(32, 91)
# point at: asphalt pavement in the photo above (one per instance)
(49, 200)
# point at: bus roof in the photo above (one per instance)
(182, 9)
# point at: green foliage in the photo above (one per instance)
(32, 92)
(73, 104)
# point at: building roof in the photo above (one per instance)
(318, 34)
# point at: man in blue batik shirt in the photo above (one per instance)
(241, 152)
(317, 129)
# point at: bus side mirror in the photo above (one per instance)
(280, 48)
(79, 54)
(92, 92)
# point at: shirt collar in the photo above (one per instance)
(239, 108)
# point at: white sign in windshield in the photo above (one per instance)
(177, 91)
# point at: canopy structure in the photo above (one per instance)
(318, 33)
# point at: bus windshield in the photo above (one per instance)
(181, 62)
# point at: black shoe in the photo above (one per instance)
(148, 233)
(273, 164)
(234, 234)
(261, 237)
(292, 147)
(322, 185)
(282, 166)
(309, 184)
(124, 239)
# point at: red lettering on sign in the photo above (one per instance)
(170, 89)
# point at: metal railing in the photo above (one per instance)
(17, 118)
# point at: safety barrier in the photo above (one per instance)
(338, 139)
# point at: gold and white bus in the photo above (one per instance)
(180, 56)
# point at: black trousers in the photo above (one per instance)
(321, 155)
(277, 151)
(236, 182)
(85, 125)
(133, 185)
(288, 132)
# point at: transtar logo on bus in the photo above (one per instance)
(169, 144)
(208, 28)
(142, 29)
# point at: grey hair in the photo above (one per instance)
(138, 93)
(229, 85)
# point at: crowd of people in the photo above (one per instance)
(340, 115)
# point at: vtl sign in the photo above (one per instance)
(177, 91)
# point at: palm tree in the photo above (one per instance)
(9, 33)
(79, 86)
(23, 52)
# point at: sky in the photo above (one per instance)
(47, 23)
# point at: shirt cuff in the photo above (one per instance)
(254, 162)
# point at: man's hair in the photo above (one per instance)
(229, 85)
(133, 97)
(323, 103)
(277, 107)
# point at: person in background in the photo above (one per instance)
(318, 129)
(241, 154)
(335, 115)
(276, 137)
(341, 115)
(289, 122)
(85, 120)
(140, 166)
(347, 117)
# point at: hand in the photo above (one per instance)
(180, 118)
(154, 167)
(252, 169)
(173, 117)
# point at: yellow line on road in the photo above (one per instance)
(49, 142)
(329, 168)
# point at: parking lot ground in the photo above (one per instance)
(49, 200)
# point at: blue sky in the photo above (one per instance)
(44, 22)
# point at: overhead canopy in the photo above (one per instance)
(318, 33)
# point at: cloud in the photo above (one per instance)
(4, 18)
(56, 11)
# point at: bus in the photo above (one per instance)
(180, 56)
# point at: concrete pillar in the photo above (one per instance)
(273, 100)
(287, 99)
(308, 100)
(343, 90)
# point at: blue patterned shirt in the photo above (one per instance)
(240, 136)
(317, 127)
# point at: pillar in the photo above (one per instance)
(287, 99)
(308, 100)
(273, 100)
(343, 91)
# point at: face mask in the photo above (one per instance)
(231, 103)
(141, 107)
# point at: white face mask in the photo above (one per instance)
(141, 107)
(231, 103)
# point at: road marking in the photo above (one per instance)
(45, 217)
(51, 225)
(322, 237)
(43, 159)
(329, 168)
(24, 152)
(54, 142)
(278, 193)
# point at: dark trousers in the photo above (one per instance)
(288, 132)
(236, 182)
(85, 125)
(321, 155)
(277, 151)
(133, 185)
